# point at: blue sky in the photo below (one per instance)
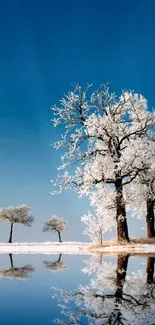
(46, 46)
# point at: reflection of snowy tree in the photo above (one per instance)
(145, 283)
(150, 270)
(93, 264)
(55, 266)
(142, 286)
(20, 273)
(112, 297)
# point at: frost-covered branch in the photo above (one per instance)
(102, 136)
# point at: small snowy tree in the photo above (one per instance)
(93, 227)
(99, 222)
(55, 224)
(100, 141)
(96, 226)
(20, 214)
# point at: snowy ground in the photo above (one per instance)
(44, 248)
(72, 248)
(130, 249)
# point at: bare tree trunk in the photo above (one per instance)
(122, 264)
(122, 227)
(11, 260)
(101, 236)
(11, 232)
(150, 269)
(59, 237)
(101, 259)
(150, 219)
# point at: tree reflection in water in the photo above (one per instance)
(20, 273)
(58, 265)
(112, 297)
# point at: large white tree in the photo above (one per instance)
(20, 214)
(100, 144)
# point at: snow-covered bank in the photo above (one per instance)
(128, 248)
(73, 248)
(45, 248)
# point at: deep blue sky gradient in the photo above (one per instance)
(45, 47)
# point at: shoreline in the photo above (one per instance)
(74, 248)
(45, 248)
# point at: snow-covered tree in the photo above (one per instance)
(100, 144)
(93, 228)
(20, 214)
(55, 224)
(96, 224)
(141, 195)
(20, 273)
(147, 180)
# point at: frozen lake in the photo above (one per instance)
(77, 289)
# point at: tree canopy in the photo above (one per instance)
(104, 146)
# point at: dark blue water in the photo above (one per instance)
(74, 289)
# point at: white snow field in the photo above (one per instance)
(72, 248)
(44, 248)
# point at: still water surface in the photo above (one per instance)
(74, 289)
